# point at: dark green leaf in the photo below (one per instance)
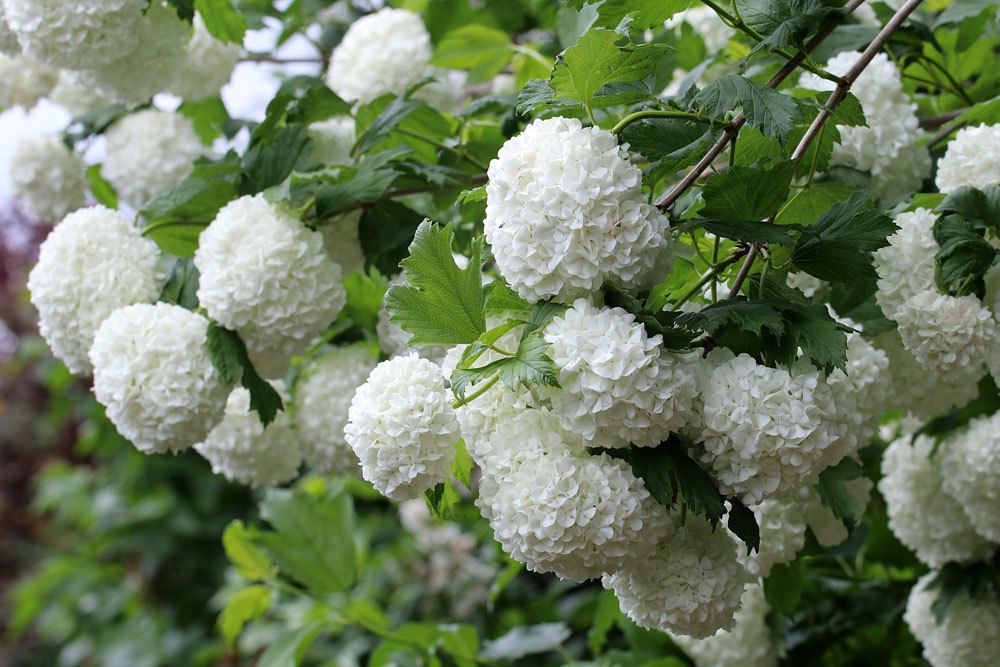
(974, 204)
(783, 587)
(743, 523)
(750, 192)
(529, 366)
(386, 231)
(670, 473)
(833, 492)
(748, 316)
(643, 13)
(394, 113)
(230, 358)
(266, 164)
(182, 285)
(502, 300)
(766, 109)
(655, 321)
(783, 23)
(963, 251)
(811, 329)
(660, 138)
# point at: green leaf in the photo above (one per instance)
(809, 204)
(363, 183)
(501, 300)
(230, 358)
(182, 285)
(176, 218)
(743, 523)
(481, 50)
(365, 293)
(103, 191)
(388, 120)
(266, 164)
(386, 231)
(837, 246)
(526, 640)
(783, 587)
(963, 251)
(669, 472)
(979, 581)
(249, 560)
(94, 122)
(834, 493)
(596, 60)
(441, 302)
(316, 103)
(747, 316)
(222, 20)
(766, 109)
(242, 607)
(974, 204)
(314, 540)
(664, 138)
(606, 617)
(442, 500)
(751, 231)
(290, 647)
(751, 192)
(959, 10)
(538, 94)
(811, 329)
(783, 23)
(530, 366)
(208, 116)
(654, 320)
(643, 13)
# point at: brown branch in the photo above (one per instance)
(944, 133)
(932, 122)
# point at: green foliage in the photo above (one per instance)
(229, 355)
(242, 607)
(526, 640)
(182, 284)
(482, 50)
(103, 191)
(783, 23)
(671, 475)
(771, 112)
(747, 192)
(783, 587)
(640, 13)
(222, 20)
(834, 494)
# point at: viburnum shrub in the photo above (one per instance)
(651, 285)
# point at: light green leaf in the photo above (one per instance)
(249, 560)
(365, 293)
(290, 647)
(222, 20)
(242, 607)
(643, 13)
(103, 191)
(481, 50)
(526, 640)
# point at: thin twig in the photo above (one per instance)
(944, 133)
(268, 58)
(932, 122)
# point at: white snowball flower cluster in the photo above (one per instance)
(618, 385)
(321, 400)
(243, 450)
(24, 81)
(906, 266)
(153, 373)
(385, 52)
(78, 34)
(861, 391)
(208, 64)
(149, 152)
(947, 334)
(565, 213)
(266, 275)
(970, 468)
(691, 586)
(968, 636)
(918, 391)
(332, 140)
(402, 427)
(92, 263)
(747, 644)
(74, 95)
(766, 429)
(972, 158)
(828, 528)
(782, 535)
(343, 246)
(921, 514)
(707, 24)
(48, 178)
(8, 40)
(887, 147)
(558, 509)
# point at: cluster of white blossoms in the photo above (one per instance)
(49, 179)
(243, 450)
(782, 526)
(966, 637)
(971, 159)
(887, 147)
(332, 140)
(321, 400)
(917, 391)
(267, 276)
(24, 81)
(565, 213)
(149, 152)
(970, 469)
(906, 265)
(619, 386)
(208, 64)
(747, 644)
(947, 333)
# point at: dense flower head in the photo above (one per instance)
(74, 95)
(153, 373)
(332, 140)
(92, 263)
(320, 403)
(972, 158)
(208, 64)
(945, 333)
(887, 146)
(48, 178)
(24, 81)
(766, 429)
(243, 450)
(747, 644)
(341, 241)
(921, 514)
(565, 213)
(267, 276)
(402, 427)
(556, 508)
(861, 392)
(828, 528)
(618, 386)
(968, 635)
(906, 266)
(77, 34)
(691, 586)
(149, 152)
(970, 468)
(782, 535)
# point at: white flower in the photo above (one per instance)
(24, 81)
(972, 158)
(152, 66)
(48, 178)
(906, 265)
(968, 636)
(77, 34)
(320, 403)
(340, 239)
(947, 334)
(92, 263)
(706, 24)
(921, 514)
(243, 450)
(266, 275)
(807, 284)
(74, 95)
(565, 213)
(782, 535)
(766, 429)
(385, 52)
(8, 40)
(970, 468)
(208, 64)
(148, 153)
(558, 509)
(618, 386)
(332, 140)
(828, 528)
(402, 427)
(747, 644)
(887, 146)
(153, 374)
(861, 392)
(691, 586)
